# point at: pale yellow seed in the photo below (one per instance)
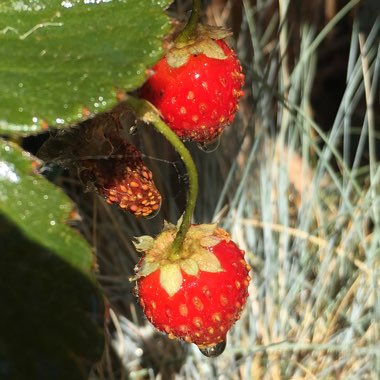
(197, 322)
(198, 303)
(183, 310)
(223, 300)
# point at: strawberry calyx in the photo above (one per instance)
(195, 254)
(202, 41)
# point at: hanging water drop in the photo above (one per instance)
(154, 213)
(128, 121)
(133, 130)
(211, 146)
(214, 351)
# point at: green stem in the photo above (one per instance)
(146, 112)
(192, 23)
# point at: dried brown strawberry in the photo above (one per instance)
(123, 179)
(105, 161)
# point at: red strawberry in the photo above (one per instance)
(199, 296)
(197, 86)
(123, 179)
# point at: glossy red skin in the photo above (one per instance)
(198, 99)
(213, 301)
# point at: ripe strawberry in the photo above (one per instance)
(197, 86)
(123, 179)
(199, 296)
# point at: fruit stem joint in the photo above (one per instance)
(145, 111)
(191, 26)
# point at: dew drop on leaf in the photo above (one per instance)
(210, 146)
(214, 351)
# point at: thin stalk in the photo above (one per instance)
(192, 23)
(146, 112)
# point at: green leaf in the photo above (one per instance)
(41, 210)
(59, 57)
(51, 314)
(51, 309)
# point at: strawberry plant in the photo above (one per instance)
(61, 62)
(101, 119)
(66, 69)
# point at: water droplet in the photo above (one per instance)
(7, 172)
(128, 121)
(214, 351)
(133, 130)
(153, 213)
(66, 4)
(211, 146)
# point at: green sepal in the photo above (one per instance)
(202, 43)
(171, 278)
(190, 267)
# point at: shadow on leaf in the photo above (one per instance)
(51, 314)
